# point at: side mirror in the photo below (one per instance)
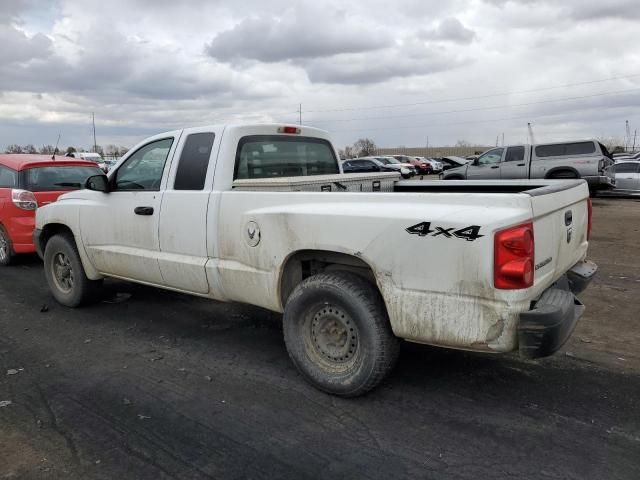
(97, 183)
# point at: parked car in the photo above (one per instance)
(393, 162)
(370, 164)
(587, 159)
(27, 182)
(452, 162)
(422, 166)
(496, 272)
(92, 157)
(436, 165)
(627, 156)
(627, 177)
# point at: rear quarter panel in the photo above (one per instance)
(438, 289)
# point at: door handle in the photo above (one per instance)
(143, 210)
(496, 166)
(520, 165)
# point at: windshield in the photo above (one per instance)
(44, 179)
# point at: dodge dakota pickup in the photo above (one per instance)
(263, 214)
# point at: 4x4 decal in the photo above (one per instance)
(423, 229)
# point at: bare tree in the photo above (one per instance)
(463, 143)
(613, 144)
(122, 150)
(14, 149)
(47, 149)
(29, 149)
(70, 150)
(364, 147)
(348, 152)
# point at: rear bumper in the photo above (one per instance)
(545, 328)
(600, 182)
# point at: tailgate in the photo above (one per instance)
(560, 222)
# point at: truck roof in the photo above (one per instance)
(19, 161)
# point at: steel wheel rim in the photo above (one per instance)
(333, 335)
(62, 272)
(4, 247)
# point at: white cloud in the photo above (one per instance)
(146, 66)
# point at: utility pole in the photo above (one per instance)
(503, 139)
(531, 137)
(635, 132)
(300, 115)
(93, 121)
(628, 136)
(497, 137)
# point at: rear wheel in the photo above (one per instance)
(6, 249)
(563, 174)
(337, 333)
(65, 274)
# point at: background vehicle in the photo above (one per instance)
(587, 159)
(27, 182)
(627, 177)
(396, 164)
(92, 157)
(419, 164)
(377, 164)
(219, 212)
(627, 156)
(436, 165)
(452, 162)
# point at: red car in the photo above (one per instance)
(26, 182)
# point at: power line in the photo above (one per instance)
(495, 107)
(374, 107)
(440, 124)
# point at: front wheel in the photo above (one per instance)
(65, 274)
(338, 335)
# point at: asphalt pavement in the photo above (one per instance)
(151, 384)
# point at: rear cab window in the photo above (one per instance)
(47, 179)
(272, 156)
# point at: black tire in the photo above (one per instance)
(65, 274)
(6, 249)
(337, 333)
(563, 175)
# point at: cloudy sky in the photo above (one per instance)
(397, 72)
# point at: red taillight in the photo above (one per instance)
(513, 257)
(589, 217)
(294, 130)
(24, 199)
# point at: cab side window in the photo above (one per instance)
(490, 157)
(143, 170)
(514, 154)
(8, 178)
(194, 162)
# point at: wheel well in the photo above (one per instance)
(562, 170)
(49, 231)
(306, 263)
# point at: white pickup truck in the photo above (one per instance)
(357, 265)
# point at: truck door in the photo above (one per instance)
(487, 166)
(183, 215)
(119, 229)
(514, 164)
